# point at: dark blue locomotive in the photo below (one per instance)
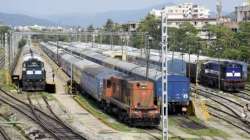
(228, 75)
(33, 72)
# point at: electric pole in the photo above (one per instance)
(164, 46)
(148, 43)
(219, 11)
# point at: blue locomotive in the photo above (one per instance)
(33, 72)
(229, 75)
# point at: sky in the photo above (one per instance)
(62, 7)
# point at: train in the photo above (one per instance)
(125, 96)
(231, 76)
(33, 77)
(226, 75)
(178, 85)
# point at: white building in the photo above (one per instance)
(183, 11)
(243, 12)
(194, 14)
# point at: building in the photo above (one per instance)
(198, 23)
(131, 26)
(194, 14)
(183, 11)
(243, 12)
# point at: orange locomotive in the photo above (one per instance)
(131, 100)
(128, 98)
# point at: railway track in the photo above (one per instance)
(2, 61)
(247, 87)
(51, 110)
(151, 132)
(54, 128)
(243, 94)
(5, 136)
(231, 116)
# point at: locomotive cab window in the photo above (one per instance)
(108, 84)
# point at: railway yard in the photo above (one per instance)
(66, 115)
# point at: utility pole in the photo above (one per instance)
(111, 40)
(123, 44)
(1, 41)
(6, 47)
(219, 11)
(93, 39)
(164, 46)
(218, 50)
(189, 68)
(57, 44)
(148, 43)
(197, 73)
(71, 75)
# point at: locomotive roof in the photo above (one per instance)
(221, 62)
(27, 55)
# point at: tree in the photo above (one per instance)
(4, 29)
(151, 25)
(244, 33)
(225, 37)
(90, 28)
(184, 38)
(22, 43)
(109, 26)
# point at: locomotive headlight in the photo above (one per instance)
(185, 96)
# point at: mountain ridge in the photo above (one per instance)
(21, 19)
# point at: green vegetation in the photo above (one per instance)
(4, 29)
(3, 81)
(22, 43)
(49, 96)
(44, 37)
(222, 41)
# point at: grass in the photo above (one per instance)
(93, 108)
(3, 81)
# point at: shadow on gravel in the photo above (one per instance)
(191, 124)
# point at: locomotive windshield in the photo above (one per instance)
(233, 70)
(33, 64)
